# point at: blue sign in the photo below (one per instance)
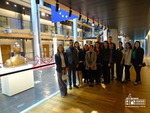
(61, 15)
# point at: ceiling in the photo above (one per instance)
(130, 17)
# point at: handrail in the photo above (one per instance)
(25, 69)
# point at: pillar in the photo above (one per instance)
(58, 28)
(105, 35)
(55, 45)
(35, 20)
(93, 31)
(1, 61)
(75, 29)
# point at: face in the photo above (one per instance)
(111, 46)
(77, 45)
(98, 39)
(71, 43)
(127, 46)
(97, 45)
(60, 49)
(91, 49)
(17, 49)
(110, 39)
(120, 45)
(86, 47)
(137, 45)
(105, 44)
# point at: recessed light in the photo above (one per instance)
(15, 5)
(23, 8)
(46, 15)
(7, 3)
(62, 15)
(43, 14)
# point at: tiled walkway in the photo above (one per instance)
(45, 85)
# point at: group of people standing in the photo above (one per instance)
(95, 62)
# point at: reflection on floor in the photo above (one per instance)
(99, 100)
(45, 85)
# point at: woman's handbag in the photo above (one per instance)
(65, 76)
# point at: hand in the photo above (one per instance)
(63, 71)
(140, 65)
(66, 69)
(121, 62)
(77, 65)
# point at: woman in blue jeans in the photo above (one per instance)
(61, 67)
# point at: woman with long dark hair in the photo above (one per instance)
(119, 61)
(137, 60)
(81, 58)
(61, 67)
(127, 61)
(106, 62)
(97, 49)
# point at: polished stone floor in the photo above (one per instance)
(46, 84)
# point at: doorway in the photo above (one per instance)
(5, 50)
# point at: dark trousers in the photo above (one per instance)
(91, 75)
(138, 75)
(106, 72)
(119, 71)
(73, 75)
(85, 75)
(112, 71)
(62, 85)
(98, 74)
(127, 72)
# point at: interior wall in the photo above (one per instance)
(148, 37)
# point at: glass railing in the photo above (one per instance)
(14, 23)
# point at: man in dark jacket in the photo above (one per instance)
(72, 63)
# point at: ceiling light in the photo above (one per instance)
(43, 14)
(62, 15)
(23, 8)
(46, 15)
(7, 3)
(66, 16)
(15, 5)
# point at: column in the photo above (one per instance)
(58, 28)
(84, 42)
(105, 35)
(1, 61)
(123, 40)
(35, 20)
(75, 29)
(114, 34)
(55, 45)
(93, 31)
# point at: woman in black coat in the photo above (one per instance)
(137, 60)
(61, 68)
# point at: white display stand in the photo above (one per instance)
(17, 82)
